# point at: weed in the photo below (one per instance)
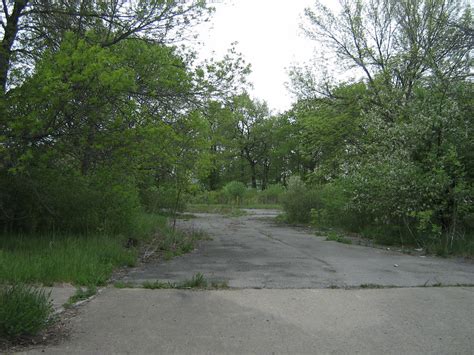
(281, 218)
(81, 294)
(371, 286)
(158, 285)
(219, 285)
(333, 236)
(123, 284)
(197, 281)
(24, 311)
(169, 243)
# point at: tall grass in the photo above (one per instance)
(24, 310)
(79, 259)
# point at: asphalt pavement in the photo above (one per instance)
(253, 251)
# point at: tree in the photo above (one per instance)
(407, 163)
(251, 139)
(396, 44)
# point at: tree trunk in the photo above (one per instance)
(242, 166)
(10, 32)
(254, 175)
(266, 170)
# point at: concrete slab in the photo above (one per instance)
(60, 295)
(321, 321)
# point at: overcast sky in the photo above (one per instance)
(268, 36)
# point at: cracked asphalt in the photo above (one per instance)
(253, 252)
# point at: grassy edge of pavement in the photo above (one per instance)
(86, 260)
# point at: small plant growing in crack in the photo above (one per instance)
(198, 281)
(123, 284)
(80, 295)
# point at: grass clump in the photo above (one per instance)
(158, 285)
(333, 236)
(123, 284)
(219, 285)
(81, 294)
(24, 311)
(197, 281)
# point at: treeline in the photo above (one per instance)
(100, 110)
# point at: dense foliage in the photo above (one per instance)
(395, 147)
(100, 113)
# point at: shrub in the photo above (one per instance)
(298, 201)
(251, 196)
(23, 311)
(333, 208)
(272, 194)
(235, 190)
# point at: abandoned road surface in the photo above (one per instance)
(253, 252)
(281, 300)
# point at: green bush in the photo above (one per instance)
(272, 194)
(334, 209)
(23, 311)
(298, 201)
(251, 196)
(236, 191)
